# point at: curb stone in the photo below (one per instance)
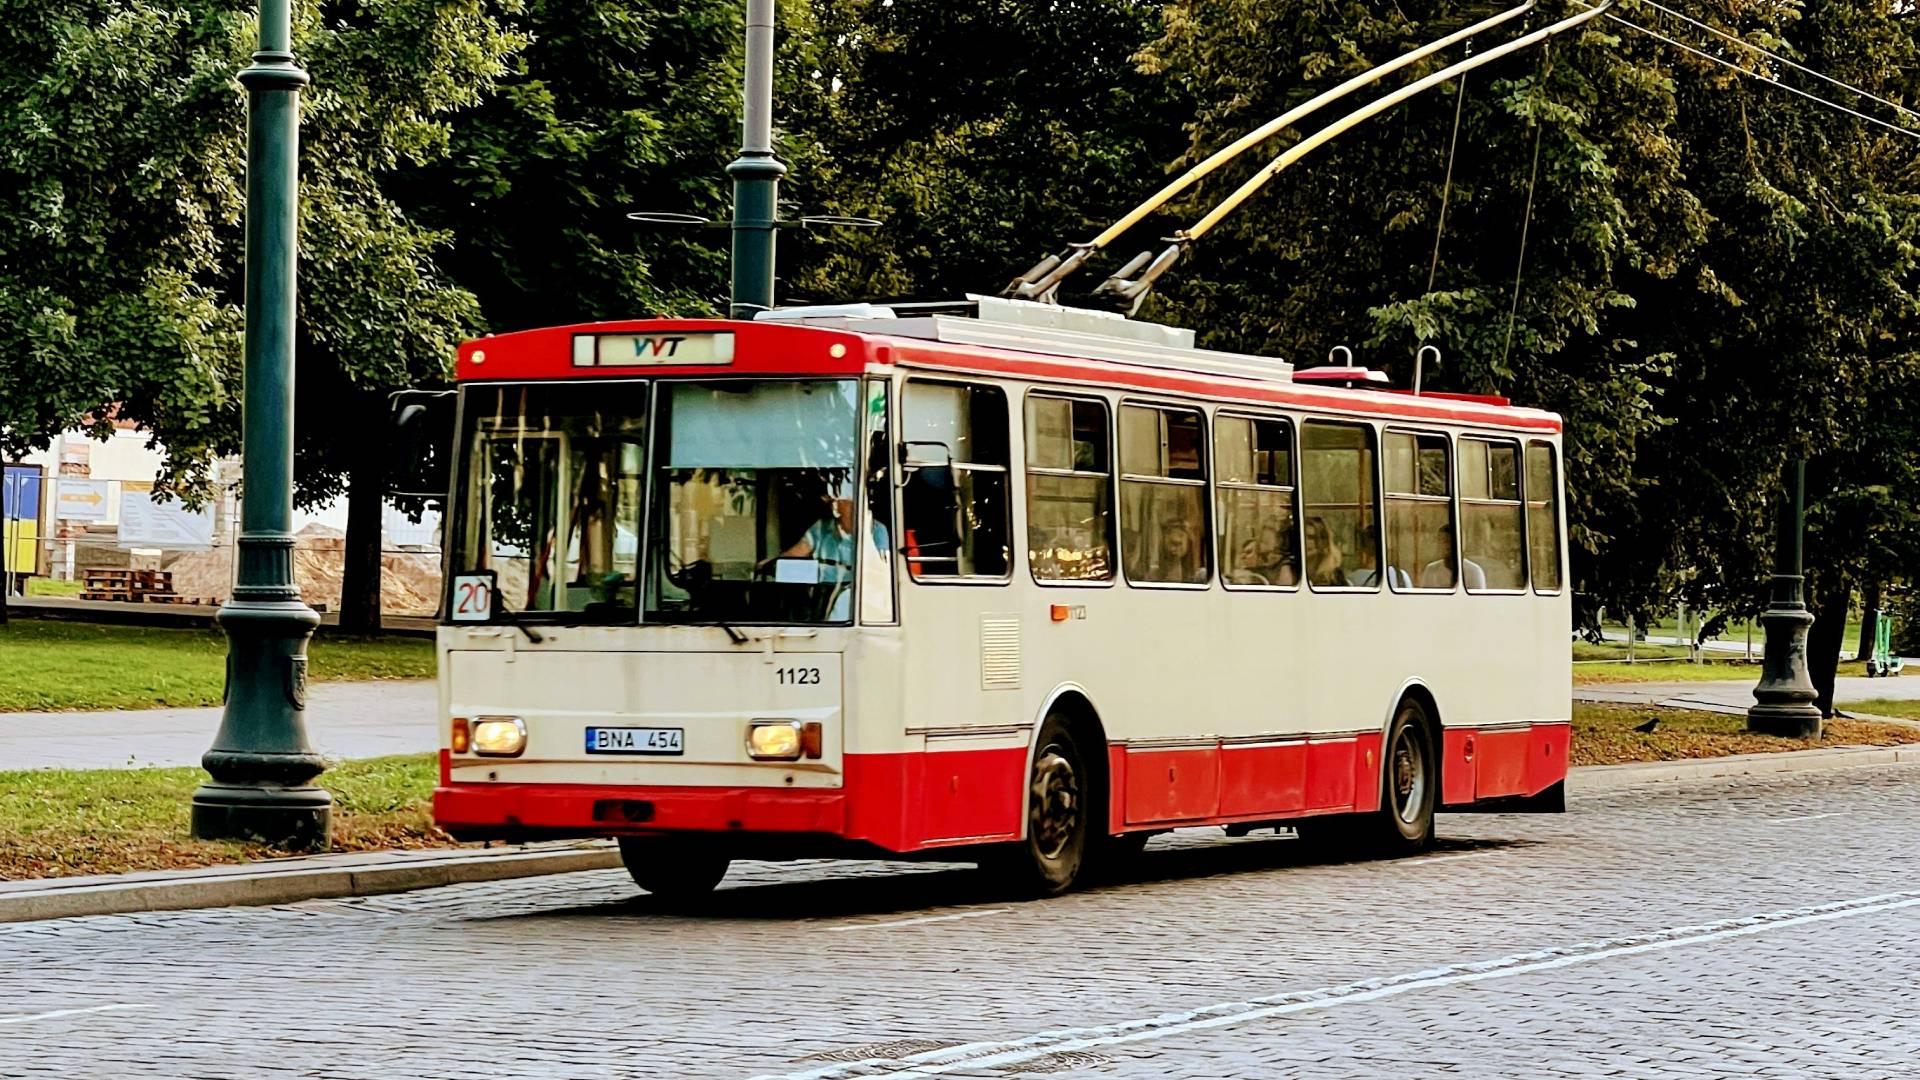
(285, 881)
(1596, 778)
(325, 877)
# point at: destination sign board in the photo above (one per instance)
(651, 350)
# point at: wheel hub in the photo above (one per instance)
(1409, 775)
(1055, 803)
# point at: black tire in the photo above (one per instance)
(672, 867)
(1409, 786)
(1409, 791)
(1051, 859)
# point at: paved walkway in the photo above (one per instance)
(345, 720)
(1735, 695)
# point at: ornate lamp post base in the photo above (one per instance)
(1783, 702)
(262, 765)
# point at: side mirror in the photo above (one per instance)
(423, 444)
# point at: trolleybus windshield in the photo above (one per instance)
(756, 505)
(549, 500)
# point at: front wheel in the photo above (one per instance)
(1048, 862)
(671, 867)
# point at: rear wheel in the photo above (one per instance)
(1048, 862)
(672, 867)
(1411, 786)
(1409, 790)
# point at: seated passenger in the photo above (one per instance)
(1323, 555)
(1367, 573)
(1276, 557)
(1248, 568)
(1178, 558)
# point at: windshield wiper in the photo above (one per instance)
(738, 637)
(533, 635)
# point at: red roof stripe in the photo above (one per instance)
(787, 349)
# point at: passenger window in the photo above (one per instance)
(1341, 491)
(1069, 490)
(1253, 478)
(954, 495)
(1492, 558)
(1163, 487)
(1543, 516)
(1419, 512)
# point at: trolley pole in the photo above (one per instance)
(756, 174)
(262, 765)
(1783, 702)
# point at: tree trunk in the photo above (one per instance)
(360, 581)
(1869, 620)
(1827, 636)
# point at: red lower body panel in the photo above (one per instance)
(910, 802)
(1507, 762)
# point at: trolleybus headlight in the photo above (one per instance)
(774, 740)
(499, 736)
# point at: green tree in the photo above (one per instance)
(983, 134)
(614, 106)
(121, 217)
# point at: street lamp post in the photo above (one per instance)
(262, 765)
(756, 173)
(1783, 702)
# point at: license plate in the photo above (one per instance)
(636, 740)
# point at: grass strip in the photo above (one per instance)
(51, 665)
(1603, 734)
(1883, 707)
(65, 822)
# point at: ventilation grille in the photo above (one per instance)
(999, 652)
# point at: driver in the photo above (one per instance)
(830, 542)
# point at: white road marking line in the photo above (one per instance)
(921, 920)
(1808, 817)
(987, 1055)
(1452, 858)
(58, 1013)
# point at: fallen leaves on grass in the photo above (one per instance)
(66, 822)
(1604, 735)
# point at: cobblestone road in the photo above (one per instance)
(1762, 927)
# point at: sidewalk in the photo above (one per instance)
(1734, 696)
(344, 719)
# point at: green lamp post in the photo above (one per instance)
(756, 173)
(1783, 702)
(262, 765)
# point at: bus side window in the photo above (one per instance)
(1419, 512)
(1069, 490)
(954, 510)
(1543, 516)
(1341, 491)
(1253, 478)
(1163, 496)
(1492, 556)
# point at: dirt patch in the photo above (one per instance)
(409, 581)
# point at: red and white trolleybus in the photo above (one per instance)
(1028, 582)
